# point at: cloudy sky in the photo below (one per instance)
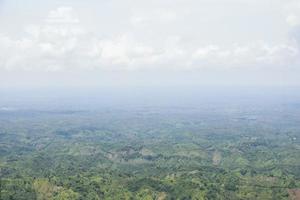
(149, 42)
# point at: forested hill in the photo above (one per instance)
(208, 152)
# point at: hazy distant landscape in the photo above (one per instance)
(245, 148)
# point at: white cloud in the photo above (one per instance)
(293, 20)
(62, 15)
(208, 51)
(292, 11)
(258, 54)
(160, 16)
(62, 43)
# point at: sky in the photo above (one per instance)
(73, 43)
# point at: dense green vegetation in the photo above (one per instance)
(207, 152)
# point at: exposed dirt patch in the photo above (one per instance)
(216, 158)
(294, 194)
(162, 196)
